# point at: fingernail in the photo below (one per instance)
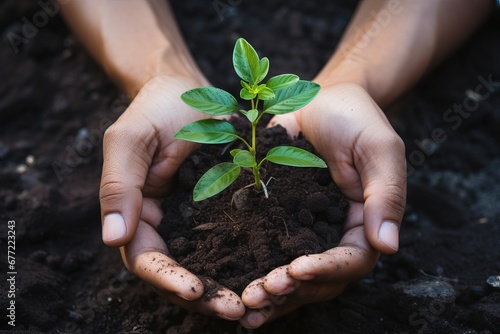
(113, 227)
(255, 319)
(389, 235)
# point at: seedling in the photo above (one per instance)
(281, 94)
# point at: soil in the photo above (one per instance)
(239, 235)
(56, 103)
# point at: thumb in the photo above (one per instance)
(384, 184)
(126, 164)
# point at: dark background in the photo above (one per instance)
(55, 104)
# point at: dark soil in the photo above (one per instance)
(55, 104)
(239, 235)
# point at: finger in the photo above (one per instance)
(263, 306)
(278, 282)
(151, 212)
(226, 305)
(253, 319)
(254, 295)
(146, 256)
(257, 317)
(353, 259)
(306, 292)
(127, 150)
(384, 182)
(354, 215)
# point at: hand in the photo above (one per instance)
(140, 160)
(367, 161)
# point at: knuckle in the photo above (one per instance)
(395, 199)
(394, 141)
(113, 132)
(111, 191)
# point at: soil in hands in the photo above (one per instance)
(239, 235)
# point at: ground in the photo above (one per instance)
(56, 103)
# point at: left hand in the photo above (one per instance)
(141, 159)
(367, 161)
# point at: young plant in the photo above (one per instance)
(281, 94)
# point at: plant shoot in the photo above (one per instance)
(281, 94)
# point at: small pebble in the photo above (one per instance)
(494, 281)
(82, 134)
(421, 288)
(30, 160)
(21, 169)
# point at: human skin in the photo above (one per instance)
(141, 48)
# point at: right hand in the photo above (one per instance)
(367, 161)
(141, 158)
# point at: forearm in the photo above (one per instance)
(390, 44)
(133, 40)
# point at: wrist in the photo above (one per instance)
(165, 62)
(333, 74)
(357, 73)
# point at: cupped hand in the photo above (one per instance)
(366, 159)
(141, 158)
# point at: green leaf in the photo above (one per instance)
(245, 84)
(246, 61)
(235, 151)
(292, 98)
(282, 81)
(252, 115)
(266, 94)
(246, 95)
(263, 69)
(208, 131)
(293, 156)
(211, 100)
(244, 158)
(215, 180)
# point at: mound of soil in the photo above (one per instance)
(239, 235)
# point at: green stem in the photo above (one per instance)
(245, 142)
(256, 175)
(253, 149)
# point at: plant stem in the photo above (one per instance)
(253, 149)
(256, 175)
